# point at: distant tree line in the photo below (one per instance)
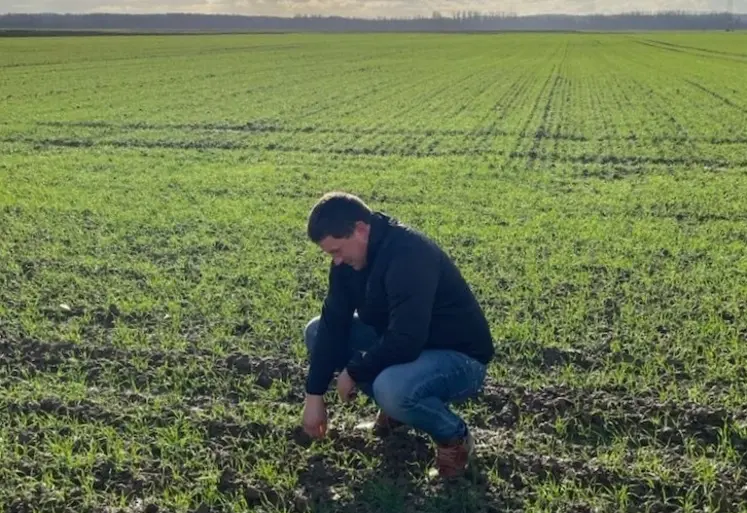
(463, 21)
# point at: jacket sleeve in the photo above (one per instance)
(332, 335)
(410, 282)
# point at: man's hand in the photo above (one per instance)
(315, 416)
(345, 386)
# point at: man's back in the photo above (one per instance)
(415, 297)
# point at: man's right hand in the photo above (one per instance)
(315, 416)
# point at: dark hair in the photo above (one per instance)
(335, 215)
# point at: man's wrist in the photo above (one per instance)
(313, 398)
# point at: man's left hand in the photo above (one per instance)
(345, 386)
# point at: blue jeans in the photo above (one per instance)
(416, 392)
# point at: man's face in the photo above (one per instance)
(351, 250)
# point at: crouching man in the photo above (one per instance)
(399, 323)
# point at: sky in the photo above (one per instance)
(363, 8)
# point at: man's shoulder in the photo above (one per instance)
(404, 243)
(404, 237)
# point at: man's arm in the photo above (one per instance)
(333, 333)
(411, 282)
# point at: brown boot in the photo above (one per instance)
(453, 458)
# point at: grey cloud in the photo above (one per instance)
(83, 6)
(364, 8)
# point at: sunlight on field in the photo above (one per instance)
(155, 277)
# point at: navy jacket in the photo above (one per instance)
(411, 293)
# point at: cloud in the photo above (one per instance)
(363, 8)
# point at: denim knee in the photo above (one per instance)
(309, 333)
(389, 393)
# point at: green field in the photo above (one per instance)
(155, 277)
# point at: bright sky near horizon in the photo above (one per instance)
(365, 8)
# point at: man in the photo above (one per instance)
(399, 323)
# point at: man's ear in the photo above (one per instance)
(362, 229)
